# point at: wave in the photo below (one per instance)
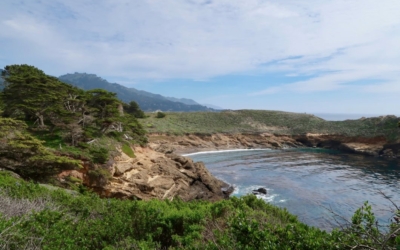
(227, 151)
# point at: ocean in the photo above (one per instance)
(342, 117)
(322, 187)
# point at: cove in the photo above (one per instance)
(309, 182)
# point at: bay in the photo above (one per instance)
(311, 183)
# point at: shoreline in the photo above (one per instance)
(191, 143)
(224, 151)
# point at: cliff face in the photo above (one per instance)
(375, 146)
(159, 172)
(150, 175)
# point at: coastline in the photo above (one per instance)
(223, 151)
(197, 143)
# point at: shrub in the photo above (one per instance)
(65, 221)
(99, 177)
(99, 154)
(160, 115)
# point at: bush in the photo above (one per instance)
(99, 177)
(59, 220)
(99, 154)
(160, 115)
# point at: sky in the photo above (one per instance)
(313, 56)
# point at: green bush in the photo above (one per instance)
(99, 154)
(88, 222)
(160, 115)
(99, 177)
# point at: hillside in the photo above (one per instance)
(36, 216)
(146, 100)
(243, 129)
(275, 122)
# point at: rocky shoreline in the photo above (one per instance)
(159, 171)
(150, 175)
(375, 146)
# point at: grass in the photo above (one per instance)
(34, 217)
(275, 122)
(126, 148)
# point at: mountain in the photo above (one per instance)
(146, 100)
(183, 100)
(212, 106)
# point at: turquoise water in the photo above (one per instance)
(310, 182)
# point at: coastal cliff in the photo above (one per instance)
(150, 174)
(375, 146)
(190, 132)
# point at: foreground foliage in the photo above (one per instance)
(33, 217)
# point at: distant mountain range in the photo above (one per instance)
(146, 100)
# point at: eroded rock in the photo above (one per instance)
(163, 176)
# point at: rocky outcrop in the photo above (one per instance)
(373, 146)
(158, 171)
(196, 143)
(391, 150)
(151, 175)
(360, 145)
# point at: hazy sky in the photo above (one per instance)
(332, 56)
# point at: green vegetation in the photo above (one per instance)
(26, 155)
(134, 109)
(55, 219)
(126, 148)
(275, 122)
(160, 115)
(46, 123)
(48, 126)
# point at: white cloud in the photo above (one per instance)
(338, 41)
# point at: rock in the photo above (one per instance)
(13, 174)
(165, 149)
(388, 152)
(275, 144)
(161, 176)
(121, 168)
(260, 191)
(182, 160)
(228, 190)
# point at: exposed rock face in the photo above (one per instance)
(152, 175)
(375, 146)
(195, 143)
(156, 172)
(391, 150)
(359, 145)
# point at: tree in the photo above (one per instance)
(134, 109)
(26, 155)
(105, 107)
(29, 91)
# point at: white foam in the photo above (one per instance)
(227, 151)
(267, 198)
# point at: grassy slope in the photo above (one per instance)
(277, 122)
(33, 217)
